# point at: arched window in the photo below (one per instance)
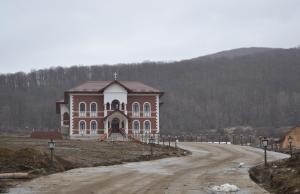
(82, 109)
(93, 127)
(123, 126)
(115, 104)
(147, 126)
(136, 126)
(147, 109)
(66, 118)
(123, 106)
(82, 127)
(107, 106)
(93, 109)
(135, 109)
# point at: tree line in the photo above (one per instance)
(259, 90)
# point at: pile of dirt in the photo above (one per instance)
(28, 160)
(279, 177)
(69, 154)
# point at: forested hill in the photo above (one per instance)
(260, 88)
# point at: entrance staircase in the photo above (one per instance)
(122, 136)
(116, 137)
(119, 136)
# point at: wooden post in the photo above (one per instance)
(241, 140)
(16, 175)
(265, 156)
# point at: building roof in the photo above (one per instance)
(294, 133)
(116, 111)
(46, 135)
(100, 86)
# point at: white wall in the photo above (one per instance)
(71, 114)
(115, 92)
(157, 113)
(63, 109)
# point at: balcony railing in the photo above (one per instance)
(82, 114)
(147, 114)
(135, 114)
(94, 132)
(91, 114)
(141, 114)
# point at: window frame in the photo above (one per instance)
(117, 104)
(136, 113)
(147, 130)
(80, 129)
(93, 113)
(82, 113)
(147, 114)
(133, 126)
(107, 105)
(66, 121)
(93, 131)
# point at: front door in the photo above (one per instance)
(115, 124)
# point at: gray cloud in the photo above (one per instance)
(37, 34)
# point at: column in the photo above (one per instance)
(106, 127)
(126, 126)
(105, 111)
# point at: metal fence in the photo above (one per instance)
(235, 139)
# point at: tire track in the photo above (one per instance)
(191, 174)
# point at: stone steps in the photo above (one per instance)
(116, 137)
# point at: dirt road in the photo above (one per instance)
(209, 165)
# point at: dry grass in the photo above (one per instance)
(280, 177)
(87, 153)
(19, 154)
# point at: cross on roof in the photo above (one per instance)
(115, 75)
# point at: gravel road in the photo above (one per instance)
(209, 165)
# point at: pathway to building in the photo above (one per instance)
(209, 165)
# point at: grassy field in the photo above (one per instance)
(23, 154)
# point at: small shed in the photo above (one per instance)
(46, 135)
(295, 134)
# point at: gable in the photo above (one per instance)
(101, 86)
(115, 88)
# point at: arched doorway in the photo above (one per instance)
(115, 125)
(115, 105)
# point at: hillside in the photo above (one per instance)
(239, 52)
(260, 89)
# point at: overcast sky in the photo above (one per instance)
(38, 34)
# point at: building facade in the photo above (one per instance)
(294, 133)
(106, 107)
